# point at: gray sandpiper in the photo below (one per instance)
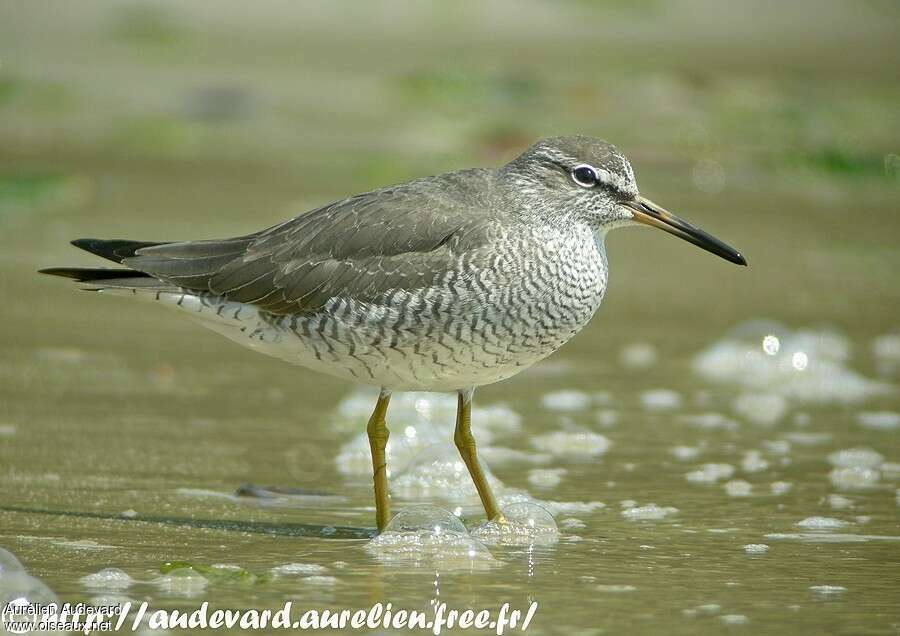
(444, 283)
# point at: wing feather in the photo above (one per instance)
(364, 247)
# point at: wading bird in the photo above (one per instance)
(444, 283)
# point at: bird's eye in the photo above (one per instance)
(585, 176)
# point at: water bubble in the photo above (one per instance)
(429, 534)
(879, 420)
(439, 472)
(826, 591)
(26, 593)
(710, 473)
(525, 523)
(660, 400)
(734, 619)
(856, 457)
(709, 176)
(886, 350)
(799, 360)
(780, 487)
(571, 444)
(753, 462)
(546, 477)
(684, 453)
(318, 579)
(854, 478)
(9, 563)
(425, 517)
(756, 548)
(572, 507)
(638, 356)
(709, 421)
(839, 502)
(822, 523)
(297, 569)
(808, 365)
(764, 409)
(618, 588)
(771, 344)
(738, 488)
(569, 400)
(108, 579)
(649, 512)
(182, 582)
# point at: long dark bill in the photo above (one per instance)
(648, 213)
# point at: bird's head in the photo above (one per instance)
(590, 179)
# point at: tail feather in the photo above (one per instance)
(101, 278)
(88, 274)
(116, 250)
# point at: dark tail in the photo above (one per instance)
(115, 250)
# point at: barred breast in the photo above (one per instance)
(475, 326)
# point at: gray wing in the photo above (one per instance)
(364, 247)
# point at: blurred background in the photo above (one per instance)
(774, 126)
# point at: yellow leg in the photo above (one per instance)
(466, 445)
(378, 438)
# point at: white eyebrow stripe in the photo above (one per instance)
(625, 184)
(616, 181)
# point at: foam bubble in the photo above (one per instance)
(439, 472)
(318, 579)
(764, 409)
(546, 477)
(753, 462)
(526, 523)
(756, 548)
(738, 488)
(571, 444)
(777, 447)
(661, 400)
(417, 421)
(886, 350)
(429, 534)
(18, 588)
(854, 478)
(780, 487)
(569, 400)
(822, 523)
(9, 563)
(648, 512)
(808, 365)
(856, 457)
(638, 356)
(808, 439)
(734, 619)
(709, 421)
(684, 453)
(298, 569)
(112, 579)
(573, 507)
(827, 590)
(616, 588)
(182, 582)
(501, 455)
(710, 473)
(839, 502)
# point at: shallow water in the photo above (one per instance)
(719, 449)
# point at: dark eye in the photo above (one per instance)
(585, 176)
